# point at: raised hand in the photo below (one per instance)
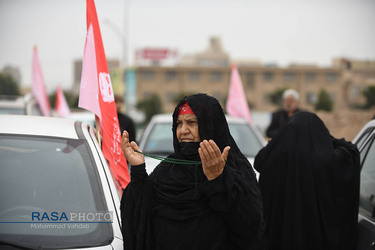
(129, 148)
(213, 161)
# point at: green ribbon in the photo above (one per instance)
(171, 160)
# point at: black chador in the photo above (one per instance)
(310, 187)
(176, 207)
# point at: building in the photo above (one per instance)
(258, 81)
(357, 76)
(209, 72)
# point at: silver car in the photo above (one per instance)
(365, 142)
(19, 105)
(157, 138)
(56, 190)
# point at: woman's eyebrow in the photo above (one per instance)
(191, 119)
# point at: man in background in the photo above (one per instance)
(125, 122)
(280, 117)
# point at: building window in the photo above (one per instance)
(311, 98)
(289, 77)
(250, 80)
(216, 76)
(170, 76)
(194, 76)
(355, 91)
(310, 77)
(331, 77)
(147, 75)
(267, 76)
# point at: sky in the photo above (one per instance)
(272, 31)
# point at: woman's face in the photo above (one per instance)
(187, 128)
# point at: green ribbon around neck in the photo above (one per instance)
(171, 160)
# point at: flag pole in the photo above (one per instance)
(97, 131)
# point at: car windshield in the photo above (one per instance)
(160, 140)
(50, 193)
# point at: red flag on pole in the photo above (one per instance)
(96, 95)
(61, 106)
(39, 89)
(237, 103)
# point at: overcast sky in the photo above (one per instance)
(272, 31)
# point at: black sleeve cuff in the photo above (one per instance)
(138, 171)
(214, 186)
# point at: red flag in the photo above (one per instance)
(61, 106)
(39, 89)
(96, 95)
(237, 103)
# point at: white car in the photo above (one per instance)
(19, 105)
(365, 142)
(56, 190)
(157, 138)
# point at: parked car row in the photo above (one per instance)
(54, 167)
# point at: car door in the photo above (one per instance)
(366, 222)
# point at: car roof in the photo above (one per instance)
(168, 118)
(38, 125)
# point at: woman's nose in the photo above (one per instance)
(184, 129)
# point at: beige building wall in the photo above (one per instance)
(258, 82)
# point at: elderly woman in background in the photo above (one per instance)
(281, 116)
(204, 196)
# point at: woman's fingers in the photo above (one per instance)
(202, 156)
(134, 146)
(204, 150)
(225, 152)
(215, 148)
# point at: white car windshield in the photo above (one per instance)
(160, 140)
(49, 193)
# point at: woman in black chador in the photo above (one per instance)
(212, 205)
(310, 187)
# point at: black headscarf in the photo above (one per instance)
(310, 187)
(176, 207)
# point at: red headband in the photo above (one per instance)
(185, 109)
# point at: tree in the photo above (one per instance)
(369, 94)
(276, 97)
(324, 101)
(8, 86)
(150, 106)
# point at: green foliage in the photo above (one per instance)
(150, 106)
(369, 94)
(276, 97)
(8, 86)
(71, 99)
(324, 101)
